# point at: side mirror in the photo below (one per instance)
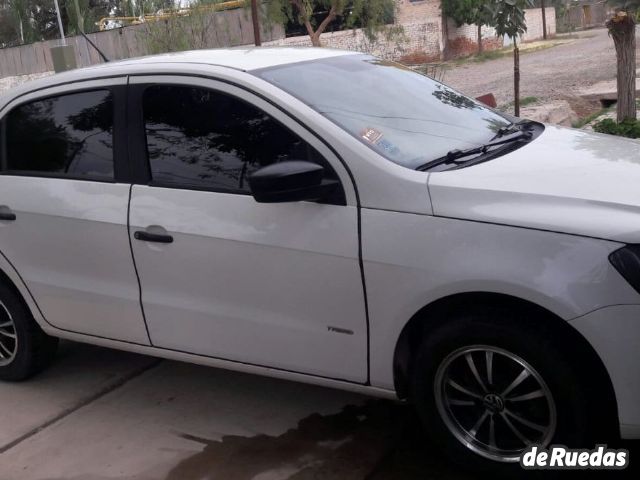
(291, 181)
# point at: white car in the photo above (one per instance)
(332, 218)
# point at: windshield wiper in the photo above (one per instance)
(510, 129)
(454, 155)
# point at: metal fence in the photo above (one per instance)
(228, 28)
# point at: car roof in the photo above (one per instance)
(241, 59)
(245, 59)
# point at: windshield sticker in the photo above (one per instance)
(371, 135)
(376, 137)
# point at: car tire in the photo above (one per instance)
(25, 349)
(549, 391)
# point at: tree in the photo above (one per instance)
(370, 14)
(83, 14)
(471, 12)
(622, 28)
(508, 19)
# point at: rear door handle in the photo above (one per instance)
(152, 237)
(6, 214)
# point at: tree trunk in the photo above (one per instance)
(21, 30)
(516, 78)
(544, 20)
(622, 29)
(79, 16)
(479, 38)
(256, 23)
(315, 39)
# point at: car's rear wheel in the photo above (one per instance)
(488, 385)
(24, 348)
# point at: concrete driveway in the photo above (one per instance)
(102, 414)
(99, 414)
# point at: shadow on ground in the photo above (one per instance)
(377, 440)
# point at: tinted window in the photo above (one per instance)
(202, 138)
(69, 135)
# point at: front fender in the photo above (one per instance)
(411, 261)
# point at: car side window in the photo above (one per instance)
(63, 136)
(202, 138)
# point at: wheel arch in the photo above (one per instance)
(430, 317)
(10, 277)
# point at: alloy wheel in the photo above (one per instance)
(8, 337)
(494, 402)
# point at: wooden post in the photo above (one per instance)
(516, 78)
(544, 20)
(256, 22)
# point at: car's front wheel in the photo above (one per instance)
(24, 348)
(488, 385)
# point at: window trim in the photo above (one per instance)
(119, 134)
(138, 137)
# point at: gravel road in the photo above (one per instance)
(548, 74)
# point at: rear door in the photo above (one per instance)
(63, 207)
(275, 285)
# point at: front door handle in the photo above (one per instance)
(152, 237)
(6, 214)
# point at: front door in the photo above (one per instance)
(275, 285)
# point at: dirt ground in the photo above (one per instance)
(549, 74)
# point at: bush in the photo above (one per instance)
(628, 128)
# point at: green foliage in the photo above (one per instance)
(190, 32)
(472, 12)
(27, 21)
(626, 5)
(90, 12)
(629, 128)
(317, 15)
(508, 16)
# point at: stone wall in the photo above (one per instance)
(422, 37)
(417, 43)
(419, 11)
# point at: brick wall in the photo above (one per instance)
(463, 40)
(533, 17)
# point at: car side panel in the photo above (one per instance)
(614, 332)
(69, 243)
(412, 260)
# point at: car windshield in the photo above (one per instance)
(403, 115)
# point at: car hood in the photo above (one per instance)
(566, 180)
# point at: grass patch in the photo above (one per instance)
(523, 103)
(590, 118)
(629, 128)
(528, 101)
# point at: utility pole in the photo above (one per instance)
(256, 22)
(64, 41)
